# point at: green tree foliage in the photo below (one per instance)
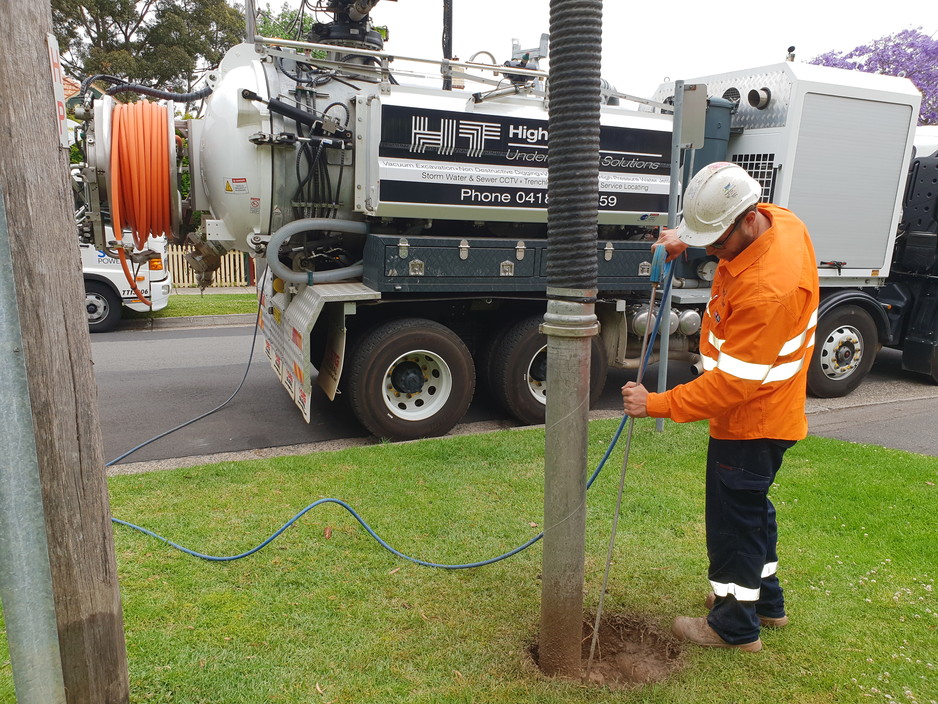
(288, 23)
(188, 36)
(160, 43)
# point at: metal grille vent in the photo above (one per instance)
(731, 94)
(762, 168)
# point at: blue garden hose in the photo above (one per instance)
(659, 271)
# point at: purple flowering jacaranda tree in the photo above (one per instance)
(910, 53)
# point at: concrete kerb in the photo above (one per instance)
(194, 321)
(191, 321)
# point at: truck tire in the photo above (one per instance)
(519, 371)
(410, 378)
(845, 346)
(485, 360)
(102, 306)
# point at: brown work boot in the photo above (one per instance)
(698, 631)
(765, 621)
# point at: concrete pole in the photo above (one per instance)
(569, 327)
(25, 577)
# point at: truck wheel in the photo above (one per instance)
(102, 306)
(410, 378)
(845, 347)
(519, 369)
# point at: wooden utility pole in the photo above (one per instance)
(57, 353)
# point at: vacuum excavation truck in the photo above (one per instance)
(401, 233)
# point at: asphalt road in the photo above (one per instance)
(150, 381)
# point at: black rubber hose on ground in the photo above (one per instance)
(573, 152)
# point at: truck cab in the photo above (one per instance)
(107, 290)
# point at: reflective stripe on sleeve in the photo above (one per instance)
(741, 369)
(766, 373)
(795, 343)
(741, 593)
(785, 371)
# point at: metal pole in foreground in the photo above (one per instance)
(25, 575)
(570, 323)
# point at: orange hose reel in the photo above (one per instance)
(139, 192)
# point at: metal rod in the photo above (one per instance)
(618, 509)
(529, 72)
(25, 573)
(310, 46)
(674, 194)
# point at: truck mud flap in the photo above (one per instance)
(920, 349)
(287, 323)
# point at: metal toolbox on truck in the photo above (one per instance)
(486, 265)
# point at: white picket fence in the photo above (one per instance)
(235, 269)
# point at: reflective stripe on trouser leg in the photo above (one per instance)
(724, 589)
(771, 599)
(741, 533)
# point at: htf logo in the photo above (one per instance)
(444, 140)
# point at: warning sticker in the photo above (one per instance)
(236, 185)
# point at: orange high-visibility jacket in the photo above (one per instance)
(756, 340)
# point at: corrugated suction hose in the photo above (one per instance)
(574, 142)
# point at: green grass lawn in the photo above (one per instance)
(181, 305)
(325, 615)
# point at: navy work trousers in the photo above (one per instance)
(742, 535)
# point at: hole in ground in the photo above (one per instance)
(632, 650)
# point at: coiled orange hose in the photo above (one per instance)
(139, 193)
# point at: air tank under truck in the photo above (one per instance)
(400, 230)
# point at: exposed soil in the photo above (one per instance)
(631, 650)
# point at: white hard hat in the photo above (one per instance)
(718, 194)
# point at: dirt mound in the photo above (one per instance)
(631, 651)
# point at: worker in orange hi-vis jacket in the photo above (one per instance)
(756, 344)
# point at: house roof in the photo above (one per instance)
(72, 87)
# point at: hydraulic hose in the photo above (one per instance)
(85, 84)
(281, 271)
(120, 85)
(123, 87)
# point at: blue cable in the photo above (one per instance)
(666, 275)
(207, 413)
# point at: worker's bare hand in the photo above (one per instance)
(634, 400)
(668, 239)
